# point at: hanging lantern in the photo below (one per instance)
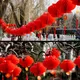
(22, 30)
(7, 67)
(47, 19)
(16, 71)
(51, 62)
(26, 62)
(12, 58)
(55, 52)
(64, 30)
(65, 17)
(38, 69)
(65, 6)
(77, 61)
(67, 65)
(39, 24)
(31, 26)
(54, 11)
(76, 2)
(2, 59)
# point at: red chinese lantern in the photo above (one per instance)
(67, 65)
(31, 26)
(51, 62)
(55, 52)
(47, 19)
(37, 69)
(26, 62)
(22, 30)
(65, 17)
(16, 71)
(4, 25)
(7, 67)
(54, 11)
(2, 59)
(77, 61)
(39, 24)
(65, 6)
(76, 2)
(12, 58)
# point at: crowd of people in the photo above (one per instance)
(43, 36)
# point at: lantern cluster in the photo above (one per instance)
(47, 18)
(39, 23)
(9, 66)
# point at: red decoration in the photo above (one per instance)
(77, 61)
(65, 6)
(67, 65)
(16, 71)
(2, 59)
(65, 17)
(76, 2)
(55, 52)
(26, 62)
(47, 19)
(7, 67)
(26, 77)
(54, 29)
(39, 24)
(64, 30)
(51, 62)
(38, 69)
(12, 58)
(54, 11)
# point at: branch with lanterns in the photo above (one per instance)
(21, 61)
(54, 11)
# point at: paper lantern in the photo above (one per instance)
(7, 67)
(12, 58)
(67, 65)
(16, 71)
(65, 6)
(37, 69)
(77, 61)
(55, 52)
(65, 17)
(26, 62)
(22, 30)
(4, 25)
(47, 19)
(54, 11)
(8, 30)
(31, 26)
(39, 24)
(76, 2)
(51, 62)
(2, 59)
